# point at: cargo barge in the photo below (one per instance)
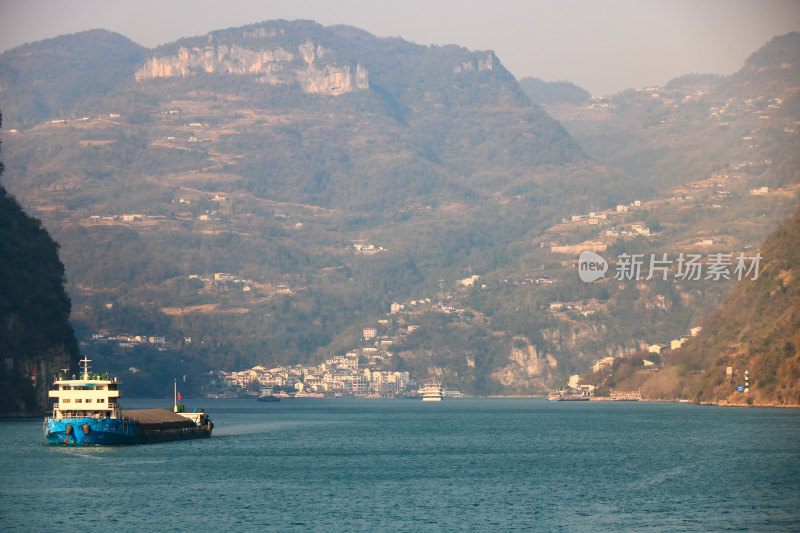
(87, 412)
(565, 397)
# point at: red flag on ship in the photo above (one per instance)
(179, 396)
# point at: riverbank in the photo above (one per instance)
(721, 403)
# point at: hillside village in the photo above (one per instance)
(361, 372)
(342, 375)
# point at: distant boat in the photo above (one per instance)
(432, 392)
(267, 396)
(573, 398)
(308, 395)
(224, 396)
(627, 397)
(566, 397)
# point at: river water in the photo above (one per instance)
(404, 465)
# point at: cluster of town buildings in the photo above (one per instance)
(363, 247)
(131, 341)
(140, 217)
(357, 373)
(595, 217)
(125, 217)
(353, 374)
(225, 278)
(655, 349)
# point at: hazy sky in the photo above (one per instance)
(603, 46)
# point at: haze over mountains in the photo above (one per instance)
(331, 173)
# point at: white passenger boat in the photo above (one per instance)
(432, 392)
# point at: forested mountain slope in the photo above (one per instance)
(36, 339)
(756, 330)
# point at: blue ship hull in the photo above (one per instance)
(109, 431)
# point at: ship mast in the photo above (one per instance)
(85, 361)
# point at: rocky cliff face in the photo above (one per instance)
(477, 63)
(274, 66)
(527, 369)
(36, 339)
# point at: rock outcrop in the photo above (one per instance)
(527, 369)
(274, 66)
(477, 63)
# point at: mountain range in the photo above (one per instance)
(332, 173)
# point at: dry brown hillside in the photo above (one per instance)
(757, 329)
